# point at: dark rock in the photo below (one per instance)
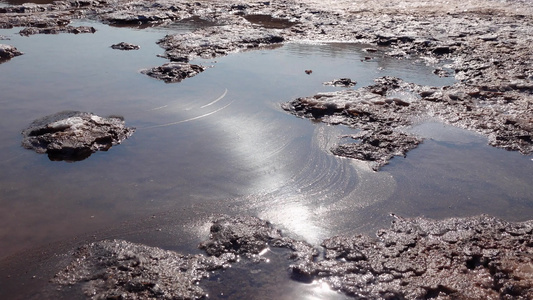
(116, 269)
(125, 46)
(174, 71)
(343, 82)
(471, 258)
(8, 52)
(73, 135)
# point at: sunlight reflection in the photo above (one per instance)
(321, 290)
(297, 218)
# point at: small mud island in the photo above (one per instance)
(73, 135)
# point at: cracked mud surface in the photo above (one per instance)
(459, 258)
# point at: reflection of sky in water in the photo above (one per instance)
(220, 143)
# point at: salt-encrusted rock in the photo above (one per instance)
(74, 135)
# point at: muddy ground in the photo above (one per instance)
(470, 258)
(486, 45)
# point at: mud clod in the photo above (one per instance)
(248, 236)
(342, 82)
(125, 46)
(7, 52)
(174, 71)
(73, 135)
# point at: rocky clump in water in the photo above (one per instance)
(459, 258)
(57, 30)
(116, 269)
(113, 269)
(74, 135)
(377, 147)
(249, 236)
(371, 110)
(125, 46)
(7, 52)
(174, 71)
(376, 110)
(341, 82)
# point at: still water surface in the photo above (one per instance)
(219, 143)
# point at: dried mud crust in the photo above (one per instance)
(380, 115)
(117, 269)
(460, 258)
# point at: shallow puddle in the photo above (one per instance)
(219, 143)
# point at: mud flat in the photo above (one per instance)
(485, 45)
(469, 258)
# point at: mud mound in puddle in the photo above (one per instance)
(381, 116)
(74, 135)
